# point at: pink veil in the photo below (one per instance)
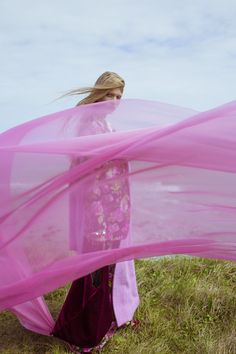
(172, 169)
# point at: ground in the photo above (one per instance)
(188, 305)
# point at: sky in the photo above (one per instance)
(180, 52)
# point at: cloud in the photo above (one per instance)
(178, 52)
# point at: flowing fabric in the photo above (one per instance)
(77, 195)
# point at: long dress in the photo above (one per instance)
(102, 301)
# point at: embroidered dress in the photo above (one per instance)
(87, 318)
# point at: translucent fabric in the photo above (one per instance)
(105, 182)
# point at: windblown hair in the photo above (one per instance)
(107, 81)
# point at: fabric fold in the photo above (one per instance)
(60, 180)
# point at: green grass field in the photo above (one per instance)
(188, 305)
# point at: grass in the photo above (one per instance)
(188, 305)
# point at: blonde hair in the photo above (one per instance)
(106, 82)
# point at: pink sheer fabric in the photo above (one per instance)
(103, 183)
(105, 198)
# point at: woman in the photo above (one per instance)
(99, 303)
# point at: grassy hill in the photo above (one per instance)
(188, 305)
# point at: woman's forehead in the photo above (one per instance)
(116, 91)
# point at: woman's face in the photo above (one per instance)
(114, 95)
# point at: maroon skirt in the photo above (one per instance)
(87, 313)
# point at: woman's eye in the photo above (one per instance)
(110, 95)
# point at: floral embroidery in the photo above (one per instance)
(108, 215)
(124, 204)
(116, 187)
(96, 190)
(107, 201)
(113, 228)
